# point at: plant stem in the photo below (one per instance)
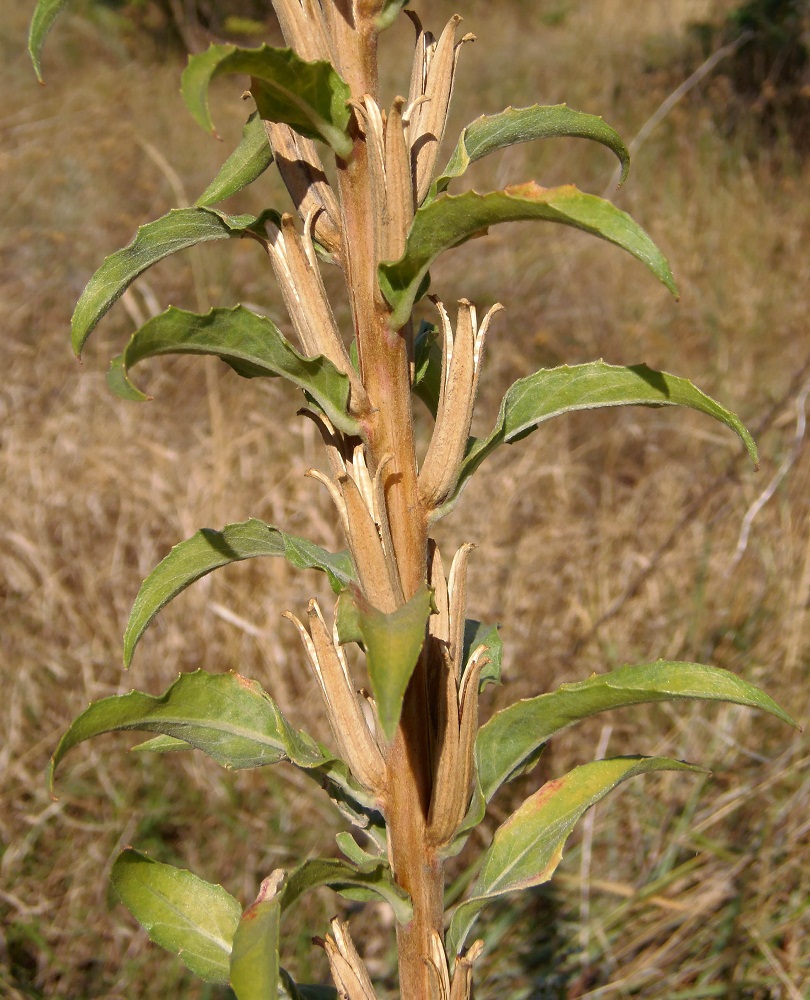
(388, 431)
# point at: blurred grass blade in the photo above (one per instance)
(451, 219)
(248, 161)
(393, 643)
(193, 919)
(45, 13)
(528, 847)
(208, 550)
(179, 229)
(490, 133)
(227, 716)
(310, 97)
(551, 392)
(252, 345)
(371, 881)
(388, 14)
(513, 736)
(254, 964)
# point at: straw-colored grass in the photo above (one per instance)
(605, 539)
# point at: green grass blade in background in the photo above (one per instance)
(512, 737)
(208, 550)
(179, 229)
(552, 392)
(310, 97)
(451, 219)
(254, 962)
(490, 133)
(45, 13)
(230, 718)
(248, 161)
(393, 643)
(251, 344)
(528, 847)
(193, 919)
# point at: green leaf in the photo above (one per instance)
(248, 161)
(513, 736)
(179, 229)
(236, 723)
(193, 919)
(450, 220)
(393, 643)
(227, 716)
(254, 967)
(388, 14)
(252, 345)
(207, 550)
(527, 848)
(476, 634)
(45, 13)
(364, 882)
(310, 97)
(493, 132)
(551, 392)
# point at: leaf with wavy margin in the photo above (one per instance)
(208, 550)
(310, 97)
(251, 344)
(490, 133)
(513, 735)
(552, 392)
(528, 847)
(179, 229)
(450, 220)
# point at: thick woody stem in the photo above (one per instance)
(388, 433)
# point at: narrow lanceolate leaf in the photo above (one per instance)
(45, 14)
(372, 880)
(310, 97)
(180, 229)
(513, 736)
(527, 848)
(248, 161)
(452, 219)
(254, 964)
(207, 550)
(193, 919)
(393, 643)
(227, 716)
(490, 133)
(252, 345)
(551, 392)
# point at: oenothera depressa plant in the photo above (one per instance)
(406, 764)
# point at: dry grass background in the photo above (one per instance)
(605, 539)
